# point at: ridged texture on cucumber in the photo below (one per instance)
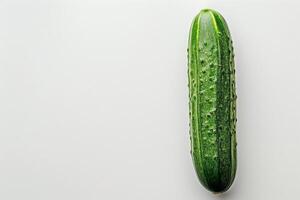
(212, 101)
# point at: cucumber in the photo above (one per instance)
(212, 101)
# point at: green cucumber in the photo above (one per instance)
(212, 101)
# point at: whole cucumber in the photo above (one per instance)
(212, 101)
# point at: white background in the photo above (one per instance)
(94, 99)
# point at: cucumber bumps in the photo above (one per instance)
(212, 101)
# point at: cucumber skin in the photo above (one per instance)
(212, 101)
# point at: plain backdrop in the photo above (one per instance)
(94, 99)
